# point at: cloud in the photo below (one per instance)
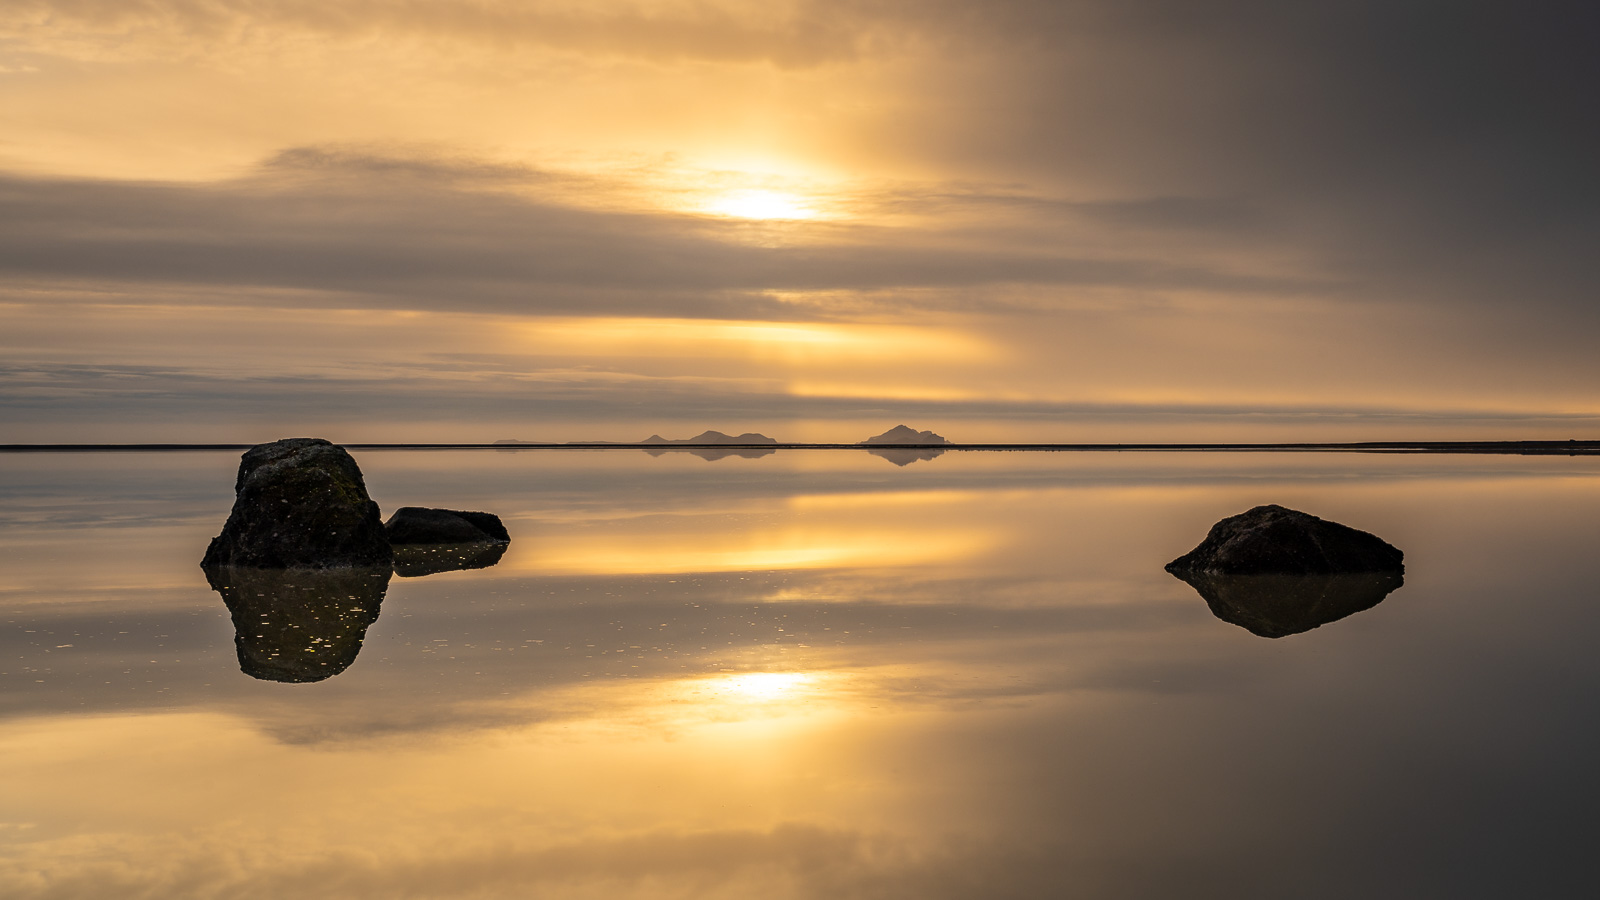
(784, 34)
(1432, 151)
(444, 233)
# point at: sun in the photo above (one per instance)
(764, 685)
(760, 204)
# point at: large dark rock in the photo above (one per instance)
(1278, 605)
(1273, 540)
(300, 503)
(421, 525)
(417, 560)
(299, 625)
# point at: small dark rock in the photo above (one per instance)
(1273, 540)
(299, 625)
(1275, 606)
(421, 525)
(300, 503)
(417, 560)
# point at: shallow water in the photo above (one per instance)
(811, 674)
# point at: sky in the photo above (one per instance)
(396, 220)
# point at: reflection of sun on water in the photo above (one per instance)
(760, 204)
(733, 546)
(757, 705)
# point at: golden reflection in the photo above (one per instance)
(733, 548)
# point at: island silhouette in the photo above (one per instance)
(739, 445)
(897, 437)
(904, 434)
(714, 437)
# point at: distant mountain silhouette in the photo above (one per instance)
(901, 434)
(905, 456)
(714, 437)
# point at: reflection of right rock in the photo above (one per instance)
(299, 625)
(1276, 606)
(416, 560)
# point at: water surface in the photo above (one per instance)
(809, 674)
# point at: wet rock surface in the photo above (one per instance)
(1275, 540)
(300, 503)
(299, 625)
(417, 560)
(1276, 606)
(423, 525)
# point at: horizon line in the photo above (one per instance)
(1570, 446)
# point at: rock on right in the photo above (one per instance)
(1276, 571)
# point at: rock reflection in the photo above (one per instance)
(417, 560)
(299, 626)
(1276, 606)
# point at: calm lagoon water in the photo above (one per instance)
(814, 674)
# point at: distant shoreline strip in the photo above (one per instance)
(1558, 448)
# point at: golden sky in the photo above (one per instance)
(383, 220)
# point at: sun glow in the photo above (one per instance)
(762, 685)
(760, 204)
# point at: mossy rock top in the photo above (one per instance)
(300, 503)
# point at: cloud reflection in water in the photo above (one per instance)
(1031, 709)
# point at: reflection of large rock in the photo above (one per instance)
(1272, 540)
(1277, 605)
(421, 525)
(299, 625)
(416, 560)
(300, 503)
